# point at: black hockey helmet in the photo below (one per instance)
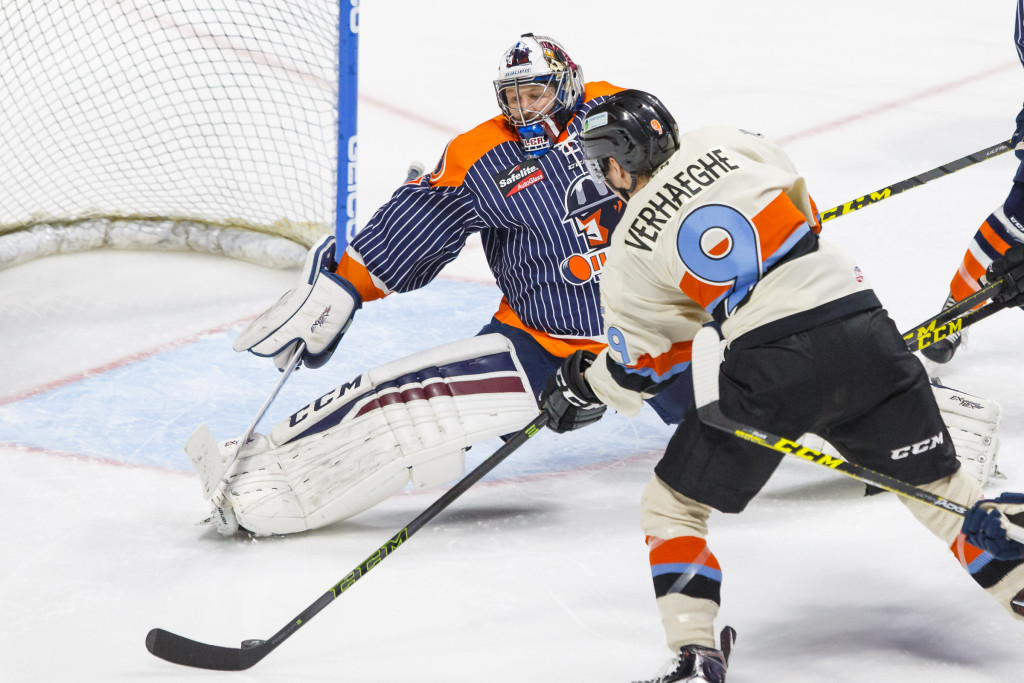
(635, 128)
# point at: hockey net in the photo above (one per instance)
(180, 124)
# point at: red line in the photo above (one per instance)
(85, 374)
(92, 458)
(895, 104)
(405, 114)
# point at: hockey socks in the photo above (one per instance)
(687, 584)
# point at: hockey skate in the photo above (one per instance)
(1017, 604)
(943, 350)
(699, 664)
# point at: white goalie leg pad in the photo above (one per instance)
(973, 425)
(410, 420)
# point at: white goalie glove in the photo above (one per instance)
(973, 425)
(317, 311)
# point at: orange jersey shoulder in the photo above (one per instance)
(599, 89)
(466, 149)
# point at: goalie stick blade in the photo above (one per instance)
(204, 454)
(179, 650)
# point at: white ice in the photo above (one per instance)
(540, 573)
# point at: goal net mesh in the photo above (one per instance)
(180, 124)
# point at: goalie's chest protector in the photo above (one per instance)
(545, 225)
(551, 225)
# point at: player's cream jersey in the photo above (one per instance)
(725, 230)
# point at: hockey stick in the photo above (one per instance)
(204, 453)
(955, 318)
(181, 650)
(414, 171)
(705, 361)
(904, 185)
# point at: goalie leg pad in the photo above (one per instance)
(973, 425)
(410, 420)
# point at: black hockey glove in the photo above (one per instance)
(1009, 267)
(568, 400)
(986, 527)
(1017, 139)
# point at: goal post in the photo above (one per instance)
(348, 91)
(212, 125)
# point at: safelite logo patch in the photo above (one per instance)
(518, 178)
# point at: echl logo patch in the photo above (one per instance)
(518, 178)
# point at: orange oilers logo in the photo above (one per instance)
(580, 268)
(656, 125)
(593, 211)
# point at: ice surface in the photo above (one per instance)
(110, 359)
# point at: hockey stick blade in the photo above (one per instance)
(187, 652)
(201, 449)
(180, 650)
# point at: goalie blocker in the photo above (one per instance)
(407, 421)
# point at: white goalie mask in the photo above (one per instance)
(538, 88)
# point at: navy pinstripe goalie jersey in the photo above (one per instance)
(544, 225)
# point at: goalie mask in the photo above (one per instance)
(539, 88)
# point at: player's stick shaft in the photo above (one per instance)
(181, 650)
(916, 181)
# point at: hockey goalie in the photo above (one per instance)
(518, 182)
(406, 423)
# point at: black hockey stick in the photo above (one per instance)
(909, 183)
(705, 361)
(181, 650)
(955, 318)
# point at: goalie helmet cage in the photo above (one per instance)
(193, 124)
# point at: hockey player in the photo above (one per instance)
(720, 229)
(517, 180)
(1003, 229)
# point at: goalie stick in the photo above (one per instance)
(181, 650)
(705, 361)
(915, 181)
(414, 171)
(202, 449)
